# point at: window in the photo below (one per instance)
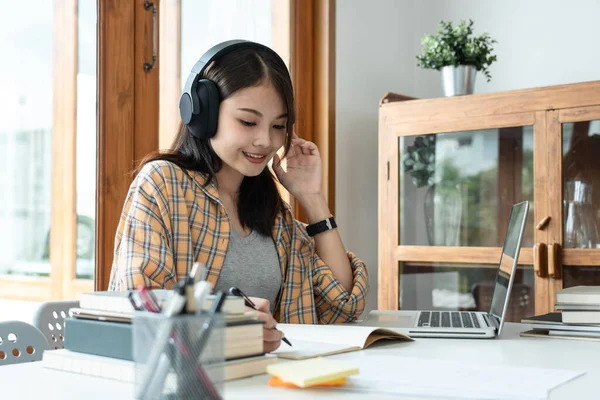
(47, 148)
(26, 137)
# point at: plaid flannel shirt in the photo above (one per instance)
(170, 220)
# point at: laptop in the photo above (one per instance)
(465, 324)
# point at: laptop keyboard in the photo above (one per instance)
(448, 319)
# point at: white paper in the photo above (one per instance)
(441, 378)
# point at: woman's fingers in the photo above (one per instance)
(261, 304)
(267, 318)
(304, 147)
(268, 347)
(272, 335)
(271, 339)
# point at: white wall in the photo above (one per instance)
(540, 43)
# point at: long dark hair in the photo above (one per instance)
(259, 200)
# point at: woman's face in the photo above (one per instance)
(251, 128)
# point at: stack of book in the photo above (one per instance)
(99, 338)
(579, 305)
(579, 316)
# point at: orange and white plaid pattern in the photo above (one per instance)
(170, 220)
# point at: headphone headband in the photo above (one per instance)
(219, 50)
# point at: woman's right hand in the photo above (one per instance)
(271, 336)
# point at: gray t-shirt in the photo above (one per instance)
(251, 264)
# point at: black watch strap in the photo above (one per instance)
(321, 226)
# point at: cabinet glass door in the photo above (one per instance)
(580, 140)
(457, 188)
(455, 194)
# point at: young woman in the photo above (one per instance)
(212, 198)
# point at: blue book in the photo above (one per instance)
(102, 338)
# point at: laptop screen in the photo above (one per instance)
(508, 261)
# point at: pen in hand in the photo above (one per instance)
(249, 303)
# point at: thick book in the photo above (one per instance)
(124, 370)
(555, 321)
(581, 317)
(119, 301)
(114, 339)
(579, 295)
(322, 340)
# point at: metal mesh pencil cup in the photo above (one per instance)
(181, 357)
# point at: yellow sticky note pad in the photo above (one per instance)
(314, 371)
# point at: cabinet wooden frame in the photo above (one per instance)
(544, 109)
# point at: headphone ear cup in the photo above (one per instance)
(204, 125)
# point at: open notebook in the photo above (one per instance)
(323, 340)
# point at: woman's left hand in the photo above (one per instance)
(304, 173)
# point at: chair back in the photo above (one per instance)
(20, 342)
(50, 320)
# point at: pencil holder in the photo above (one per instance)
(180, 357)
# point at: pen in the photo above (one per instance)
(149, 299)
(249, 303)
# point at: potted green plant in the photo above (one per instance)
(459, 54)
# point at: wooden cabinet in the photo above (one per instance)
(449, 171)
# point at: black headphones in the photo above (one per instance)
(199, 102)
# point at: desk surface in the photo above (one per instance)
(32, 381)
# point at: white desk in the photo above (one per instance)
(32, 381)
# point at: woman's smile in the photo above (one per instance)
(254, 157)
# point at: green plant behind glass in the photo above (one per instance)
(456, 45)
(419, 160)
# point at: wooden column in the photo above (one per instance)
(127, 114)
(64, 215)
(313, 74)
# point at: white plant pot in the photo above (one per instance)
(458, 81)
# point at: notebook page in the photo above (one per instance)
(321, 340)
(348, 335)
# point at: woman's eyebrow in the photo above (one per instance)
(256, 112)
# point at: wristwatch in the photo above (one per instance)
(321, 226)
